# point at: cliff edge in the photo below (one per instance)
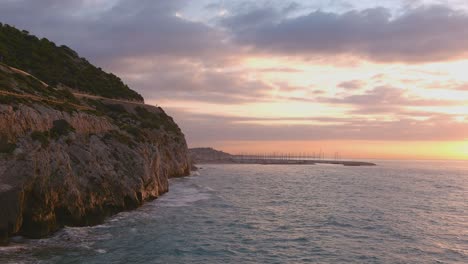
(73, 159)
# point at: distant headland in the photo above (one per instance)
(213, 156)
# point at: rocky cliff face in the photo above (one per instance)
(63, 165)
(74, 158)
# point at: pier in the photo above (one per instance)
(294, 159)
(212, 156)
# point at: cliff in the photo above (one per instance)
(73, 159)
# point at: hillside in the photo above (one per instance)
(209, 155)
(59, 65)
(73, 159)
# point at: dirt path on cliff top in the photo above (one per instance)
(76, 94)
(80, 95)
(106, 98)
(38, 98)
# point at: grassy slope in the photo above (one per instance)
(59, 65)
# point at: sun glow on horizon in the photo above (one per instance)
(313, 93)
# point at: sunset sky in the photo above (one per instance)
(368, 79)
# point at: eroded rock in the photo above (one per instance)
(84, 175)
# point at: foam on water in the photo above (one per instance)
(394, 213)
(184, 197)
(101, 251)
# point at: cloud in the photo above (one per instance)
(423, 34)
(167, 78)
(386, 99)
(352, 85)
(462, 87)
(118, 30)
(210, 128)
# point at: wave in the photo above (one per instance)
(185, 196)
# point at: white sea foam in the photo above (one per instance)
(183, 197)
(5, 187)
(13, 248)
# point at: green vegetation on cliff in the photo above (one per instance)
(6, 147)
(58, 65)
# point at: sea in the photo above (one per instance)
(396, 212)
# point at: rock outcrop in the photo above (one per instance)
(62, 165)
(79, 177)
(69, 158)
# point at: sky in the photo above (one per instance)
(367, 79)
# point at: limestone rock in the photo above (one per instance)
(80, 177)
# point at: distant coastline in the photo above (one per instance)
(213, 156)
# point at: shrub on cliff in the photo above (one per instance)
(156, 120)
(124, 139)
(6, 147)
(5, 82)
(60, 128)
(11, 100)
(42, 137)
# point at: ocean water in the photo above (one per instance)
(397, 212)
